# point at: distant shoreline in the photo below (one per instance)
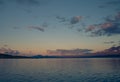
(60, 58)
(6, 56)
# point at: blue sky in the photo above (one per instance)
(39, 25)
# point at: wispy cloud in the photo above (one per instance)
(28, 2)
(9, 51)
(23, 2)
(26, 5)
(110, 42)
(64, 52)
(16, 27)
(32, 2)
(114, 2)
(45, 24)
(37, 28)
(111, 3)
(61, 19)
(72, 20)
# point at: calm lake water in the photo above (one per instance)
(60, 70)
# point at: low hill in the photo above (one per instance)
(11, 56)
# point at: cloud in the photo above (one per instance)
(64, 52)
(5, 45)
(26, 5)
(37, 28)
(114, 50)
(32, 2)
(9, 51)
(115, 2)
(75, 19)
(16, 27)
(111, 26)
(28, 2)
(45, 24)
(79, 29)
(90, 28)
(70, 21)
(62, 19)
(117, 17)
(23, 2)
(110, 42)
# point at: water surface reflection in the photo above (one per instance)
(60, 70)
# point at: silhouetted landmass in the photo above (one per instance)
(90, 56)
(101, 56)
(7, 56)
(41, 56)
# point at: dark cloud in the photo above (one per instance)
(111, 26)
(90, 28)
(110, 42)
(61, 19)
(114, 49)
(45, 24)
(75, 19)
(28, 2)
(26, 5)
(119, 43)
(71, 22)
(32, 2)
(15, 27)
(64, 52)
(37, 28)
(110, 3)
(79, 29)
(114, 2)
(23, 2)
(9, 51)
(5, 45)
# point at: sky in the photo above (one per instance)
(46, 26)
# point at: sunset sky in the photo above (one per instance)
(38, 26)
